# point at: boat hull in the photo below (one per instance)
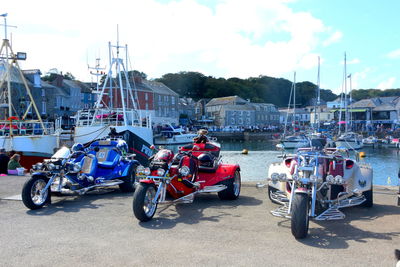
(350, 145)
(175, 140)
(32, 148)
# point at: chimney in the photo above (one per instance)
(59, 80)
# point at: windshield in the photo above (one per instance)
(62, 153)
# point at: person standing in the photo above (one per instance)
(3, 161)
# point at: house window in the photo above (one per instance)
(147, 106)
(172, 100)
(44, 107)
(146, 96)
(232, 121)
(43, 92)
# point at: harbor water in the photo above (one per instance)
(254, 165)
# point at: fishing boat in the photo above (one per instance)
(116, 110)
(21, 132)
(171, 135)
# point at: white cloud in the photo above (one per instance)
(233, 38)
(388, 84)
(334, 38)
(394, 54)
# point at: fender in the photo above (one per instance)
(40, 174)
(146, 181)
(224, 172)
(301, 190)
(133, 164)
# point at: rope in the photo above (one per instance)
(103, 129)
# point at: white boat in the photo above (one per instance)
(171, 135)
(33, 139)
(370, 141)
(350, 141)
(116, 108)
(295, 141)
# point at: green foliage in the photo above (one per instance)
(257, 89)
(371, 93)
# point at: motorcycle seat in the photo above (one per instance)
(107, 158)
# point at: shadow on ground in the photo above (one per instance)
(167, 217)
(76, 203)
(337, 234)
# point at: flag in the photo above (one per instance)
(349, 76)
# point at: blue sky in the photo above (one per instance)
(227, 38)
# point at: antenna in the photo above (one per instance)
(5, 24)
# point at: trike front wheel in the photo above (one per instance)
(33, 195)
(144, 203)
(300, 218)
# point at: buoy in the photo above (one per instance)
(362, 154)
(245, 152)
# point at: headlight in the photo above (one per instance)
(274, 177)
(37, 166)
(140, 170)
(339, 179)
(313, 178)
(50, 166)
(330, 179)
(184, 171)
(282, 177)
(74, 167)
(147, 171)
(160, 172)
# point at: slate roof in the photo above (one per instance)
(159, 88)
(232, 100)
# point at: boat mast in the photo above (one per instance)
(345, 95)
(288, 108)
(9, 58)
(318, 101)
(120, 72)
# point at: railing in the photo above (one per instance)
(19, 128)
(111, 117)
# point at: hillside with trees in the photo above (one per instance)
(256, 89)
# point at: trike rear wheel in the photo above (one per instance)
(232, 190)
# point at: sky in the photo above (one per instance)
(221, 38)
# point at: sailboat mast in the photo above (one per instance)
(294, 98)
(345, 95)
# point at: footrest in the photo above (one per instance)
(333, 213)
(185, 199)
(212, 188)
(350, 202)
(282, 211)
(279, 196)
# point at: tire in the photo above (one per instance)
(369, 196)
(128, 184)
(31, 196)
(233, 185)
(300, 219)
(142, 205)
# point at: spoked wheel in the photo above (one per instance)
(300, 219)
(32, 194)
(143, 204)
(232, 190)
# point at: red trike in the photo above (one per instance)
(196, 168)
